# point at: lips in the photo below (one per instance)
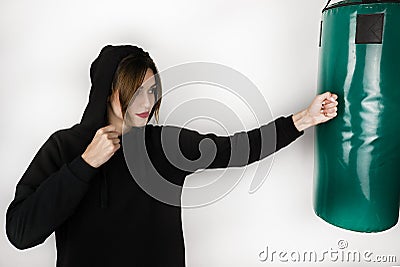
(143, 115)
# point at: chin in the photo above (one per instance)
(139, 124)
(134, 123)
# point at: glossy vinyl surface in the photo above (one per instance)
(357, 154)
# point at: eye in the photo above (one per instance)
(152, 89)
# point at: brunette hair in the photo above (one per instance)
(129, 77)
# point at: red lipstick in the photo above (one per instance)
(143, 115)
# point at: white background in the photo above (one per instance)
(46, 50)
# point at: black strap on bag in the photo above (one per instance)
(327, 4)
(361, 2)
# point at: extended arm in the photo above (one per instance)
(198, 151)
(242, 148)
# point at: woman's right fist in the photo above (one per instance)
(103, 146)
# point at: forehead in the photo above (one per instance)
(149, 79)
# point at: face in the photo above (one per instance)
(141, 104)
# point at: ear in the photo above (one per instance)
(113, 97)
(114, 102)
(117, 102)
(117, 96)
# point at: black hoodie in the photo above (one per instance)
(101, 216)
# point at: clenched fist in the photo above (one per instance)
(322, 109)
(103, 146)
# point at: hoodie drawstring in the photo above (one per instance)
(103, 189)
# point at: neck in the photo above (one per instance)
(114, 120)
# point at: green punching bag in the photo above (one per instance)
(357, 154)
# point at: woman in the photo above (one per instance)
(79, 186)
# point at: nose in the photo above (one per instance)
(147, 101)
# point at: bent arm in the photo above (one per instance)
(46, 196)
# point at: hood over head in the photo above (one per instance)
(102, 72)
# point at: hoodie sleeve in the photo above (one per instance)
(46, 195)
(239, 149)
